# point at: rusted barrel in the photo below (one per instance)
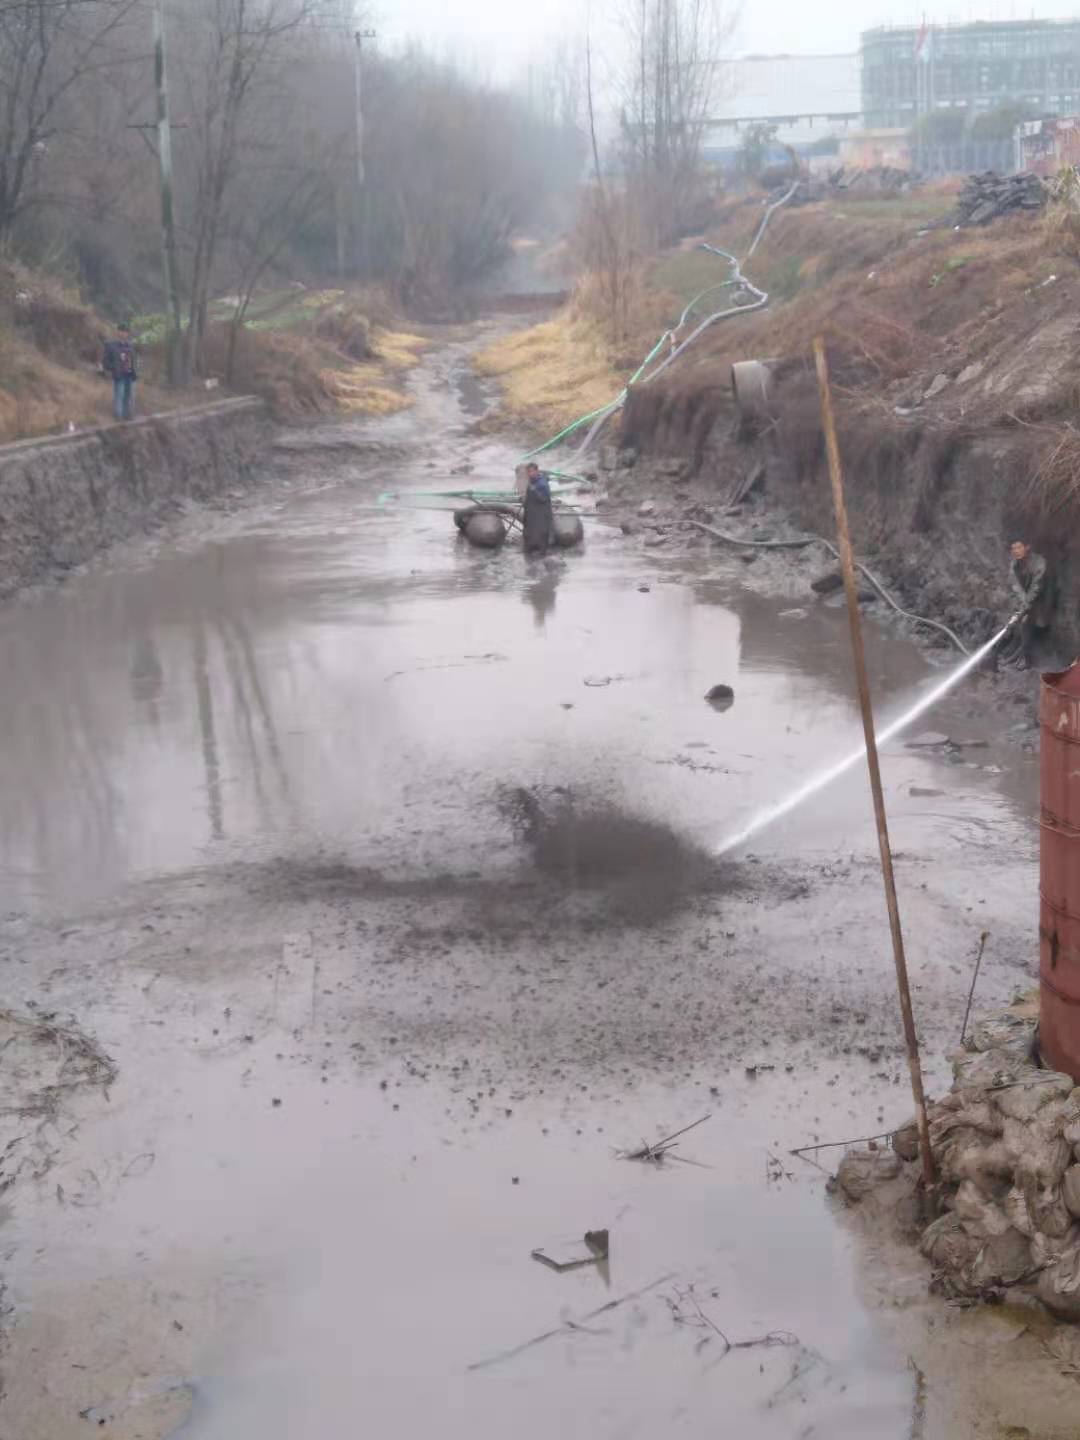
(1059, 889)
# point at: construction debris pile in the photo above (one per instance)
(881, 180)
(1006, 1143)
(988, 196)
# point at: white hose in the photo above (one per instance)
(737, 278)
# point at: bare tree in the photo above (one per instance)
(235, 43)
(670, 81)
(49, 49)
(262, 231)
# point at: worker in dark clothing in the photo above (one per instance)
(539, 523)
(1034, 589)
(118, 361)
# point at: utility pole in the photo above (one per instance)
(168, 228)
(359, 36)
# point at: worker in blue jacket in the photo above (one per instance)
(539, 521)
(118, 361)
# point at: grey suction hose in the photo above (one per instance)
(820, 540)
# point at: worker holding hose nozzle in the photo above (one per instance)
(1034, 586)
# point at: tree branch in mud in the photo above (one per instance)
(569, 1326)
(660, 1148)
(701, 1320)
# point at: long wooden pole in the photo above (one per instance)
(847, 564)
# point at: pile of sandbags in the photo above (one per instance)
(1006, 1145)
(988, 196)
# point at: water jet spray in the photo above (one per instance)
(826, 777)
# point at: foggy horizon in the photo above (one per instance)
(501, 39)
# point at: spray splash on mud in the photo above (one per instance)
(590, 844)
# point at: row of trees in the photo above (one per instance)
(268, 176)
(665, 74)
(264, 138)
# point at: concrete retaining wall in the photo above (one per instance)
(65, 497)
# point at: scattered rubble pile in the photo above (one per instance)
(1006, 1142)
(988, 196)
(873, 180)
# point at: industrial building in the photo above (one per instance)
(910, 71)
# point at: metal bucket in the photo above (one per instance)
(1059, 881)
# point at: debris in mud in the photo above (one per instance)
(599, 682)
(561, 1256)
(920, 792)
(568, 1327)
(44, 1062)
(686, 1309)
(827, 584)
(988, 196)
(721, 697)
(928, 740)
(656, 1152)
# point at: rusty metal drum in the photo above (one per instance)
(1059, 886)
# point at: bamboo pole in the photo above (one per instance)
(847, 563)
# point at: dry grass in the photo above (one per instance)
(554, 372)
(303, 373)
(40, 397)
(1053, 490)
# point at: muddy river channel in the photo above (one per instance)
(384, 870)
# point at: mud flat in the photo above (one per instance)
(383, 871)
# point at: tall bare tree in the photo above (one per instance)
(233, 44)
(50, 50)
(670, 80)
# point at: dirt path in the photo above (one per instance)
(383, 871)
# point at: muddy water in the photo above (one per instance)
(383, 869)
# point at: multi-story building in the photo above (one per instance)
(910, 71)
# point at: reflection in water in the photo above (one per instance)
(211, 765)
(147, 677)
(541, 594)
(289, 632)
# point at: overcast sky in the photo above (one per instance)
(501, 34)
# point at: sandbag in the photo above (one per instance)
(1003, 1260)
(981, 1069)
(1070, 1189)
(1045, 1249)
(1040, 1155)
(947, 1245)
(1006, 1030)
(1049, 1213)
(979, 1215)
(1059, 1286)
(863, 1170)
(1015, 1208)
(905, 1141)
(1040, 1088)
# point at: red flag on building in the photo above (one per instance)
(921, 38)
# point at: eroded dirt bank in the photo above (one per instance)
(384, 872)
(65, 498)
